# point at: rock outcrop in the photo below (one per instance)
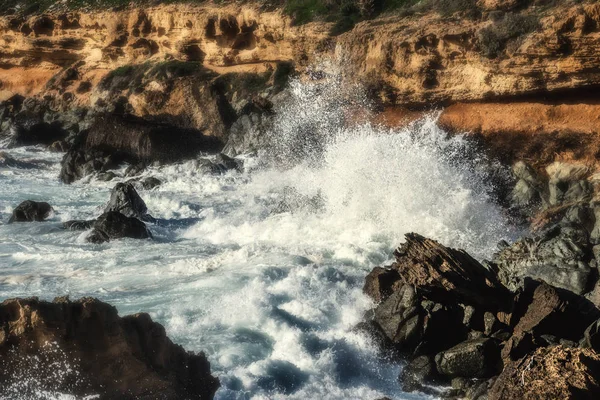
(457, 323)
(84, 348)
(29, 211)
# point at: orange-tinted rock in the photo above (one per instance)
(95, 352)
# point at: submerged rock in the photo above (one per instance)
(7, 161)
(97, 352)
(29, 211)
(114, 225)
(79, 225)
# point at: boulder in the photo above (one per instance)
(29, 211)
(83, 348)
(114, 225)
(381, 283)
(541, 310)
(126, 200)
(413, 325)
(133, 140)
(478, 358)
(418, 374)
(550, 373)
(448, 276)
(559, 255)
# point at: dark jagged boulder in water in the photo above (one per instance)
(133, 140)
(126, 200)
(96, 352)
(29, 211)
(114, 225)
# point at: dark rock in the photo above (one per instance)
(7, 161)
(135, 169)
(78, 163)
(541, 309)
(381, 283)
(29, 211)
(479, 358)
(416, 326)
(126, 200)
(550, 373)
(418, 373)
(96, 352)
(114, 225)
(448, 276)
(138, 142)
(106, 176)
(150, 183)
(77, 225)
(220, 165)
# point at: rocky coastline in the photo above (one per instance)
(172, 83)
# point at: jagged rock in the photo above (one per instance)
(550, 373)
(566, 183)
(77, 225)
(29, 211)
(447, 275)
(126, 200)
(540, 310)
(479, 358)
(560, 256)
(96, 352)
(529, 189)
(114, 225)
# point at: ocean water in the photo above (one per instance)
(263, 269)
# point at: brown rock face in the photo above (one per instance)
(84, 348)
(442, 273)
(550, 373)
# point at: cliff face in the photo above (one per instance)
(426, 59)
(520, 70)
(228, 38)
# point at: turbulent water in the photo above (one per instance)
(263, 269)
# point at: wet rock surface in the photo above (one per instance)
(126, 200)
(101, 353)
(114, 225)
(457, 324)
(29, 211)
